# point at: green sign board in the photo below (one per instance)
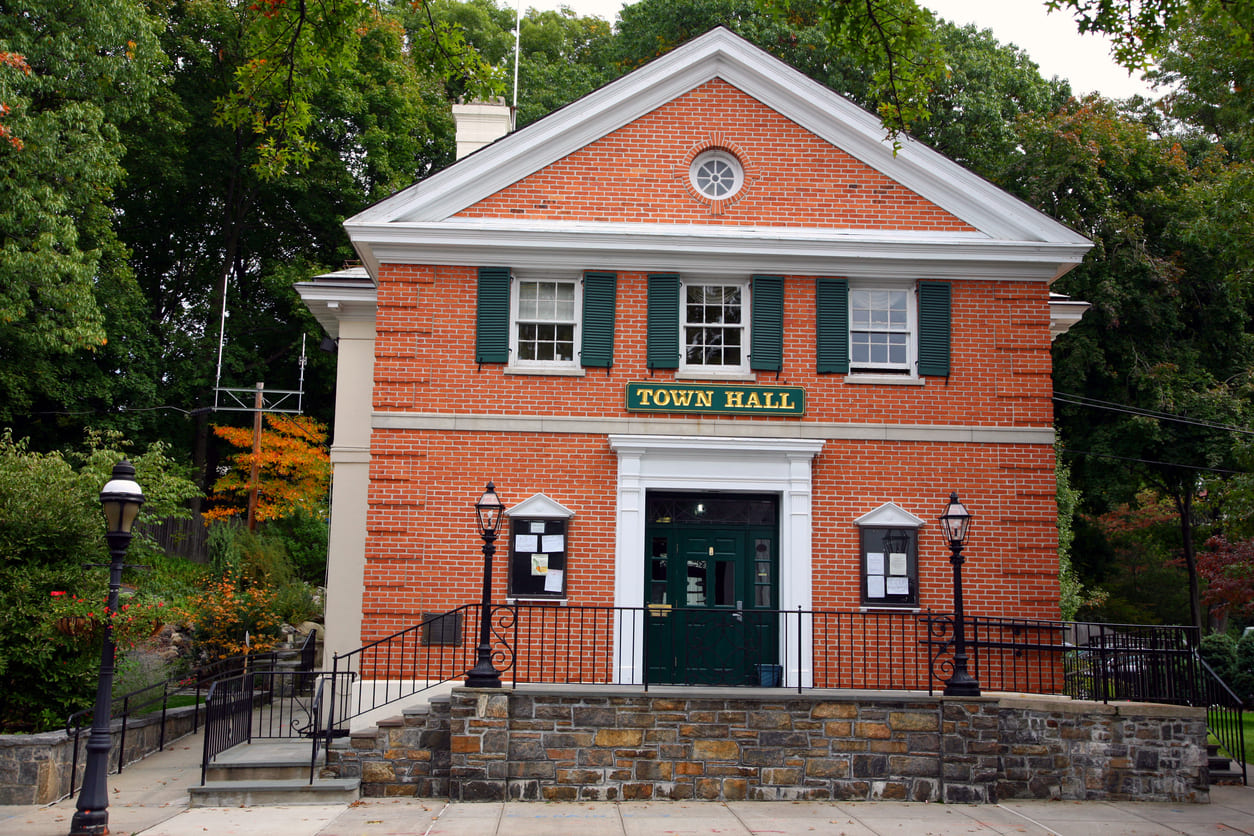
(716, 399)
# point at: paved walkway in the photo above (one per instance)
(150, 798)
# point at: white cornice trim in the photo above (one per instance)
(816, 431)
(715, 249)
(333, 302)
(717, 54)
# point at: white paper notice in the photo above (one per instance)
(553, 580)
(897, 563)
(537, 528)
(524, 543)
(897, 586)
(553, 543)
(875, 563)
(875, 586)
(539, 564)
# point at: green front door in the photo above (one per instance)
(711, 580)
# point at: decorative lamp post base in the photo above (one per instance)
(962, 684)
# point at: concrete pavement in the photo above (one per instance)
(150, 798)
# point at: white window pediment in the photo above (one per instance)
(540, 507)
(890, 515)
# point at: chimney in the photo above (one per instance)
(480, 124)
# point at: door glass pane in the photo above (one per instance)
(762, 572)
(725, 583)
(657, 572)
(695, 591)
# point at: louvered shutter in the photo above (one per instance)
(831, 310)
(597, 340)
(766, 340)
(934, 328)
(663, 339)
(492, 316)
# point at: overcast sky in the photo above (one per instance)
(1050, 39)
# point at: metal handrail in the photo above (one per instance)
(1224, 715)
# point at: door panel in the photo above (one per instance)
(706, 583)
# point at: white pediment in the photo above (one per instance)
(890, 515)
(417, 225)
(540, 507)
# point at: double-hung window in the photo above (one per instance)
(545, 327)
(715, 327)
(541, 324)
(880, 332)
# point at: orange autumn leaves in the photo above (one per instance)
(293, 474)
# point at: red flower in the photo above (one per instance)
(56, 594)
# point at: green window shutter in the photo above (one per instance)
(934, 326)
(492, 316)
(766, 338)
(663, 339)
(831, 327)
(597, 339)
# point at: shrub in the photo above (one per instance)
(1243, 680)
(1220, 652)
(228, 619)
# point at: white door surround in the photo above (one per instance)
(707, 464)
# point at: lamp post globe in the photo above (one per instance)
(120, 498)
(955, 525)
(488, 515)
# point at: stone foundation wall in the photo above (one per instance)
(35, 768)
(609, 744)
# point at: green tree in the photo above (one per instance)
(93, 66)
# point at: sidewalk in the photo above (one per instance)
(150, 798)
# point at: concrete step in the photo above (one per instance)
(261, 771)
(263, 793)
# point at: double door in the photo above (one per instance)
(712, 584)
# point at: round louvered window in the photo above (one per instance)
(716, 175)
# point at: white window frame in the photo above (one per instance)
(701, 369)
(731, 165)
(515, 299)
(908, 370)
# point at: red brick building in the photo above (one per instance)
(718, 347)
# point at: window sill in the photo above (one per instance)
(910, 608)
(553, 372)
(730, 377)
(536, 600)
(885, 379)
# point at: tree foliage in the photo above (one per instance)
(293, 470)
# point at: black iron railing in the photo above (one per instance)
(1224, 718)
(883, 650)
(272, 705)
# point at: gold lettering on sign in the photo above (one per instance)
(732, 399)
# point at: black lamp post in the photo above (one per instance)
(121, 498)
(954, 525)
(488, 513)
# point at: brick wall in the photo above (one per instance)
(422, 552)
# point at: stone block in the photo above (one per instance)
(913, 721)
(872, 731)
(834, 711)
(715, 750)
(619, 738)
(827, 768)
(708, 788)
(781, 777)
(735, 789)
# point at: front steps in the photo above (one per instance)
(1222, 769)
(269, 773)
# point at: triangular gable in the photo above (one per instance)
(791, 176)
(421, 224)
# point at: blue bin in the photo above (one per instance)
(770, 676)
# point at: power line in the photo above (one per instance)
(1071, 452)
(1093, 403)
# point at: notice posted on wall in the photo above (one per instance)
(897, 563)
(539, 564)
(526, 543)
(875, 563)
(897, 586)
(553, 580)
(875, 586)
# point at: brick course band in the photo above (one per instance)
(599, 744)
